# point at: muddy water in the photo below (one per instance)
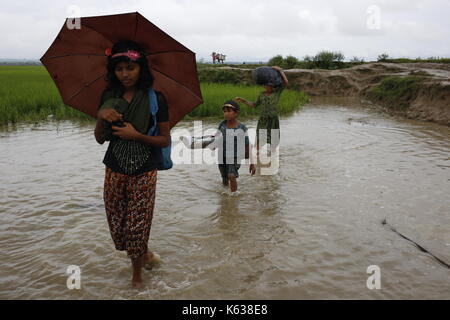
(309, 232)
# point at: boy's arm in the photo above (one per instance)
(252, 167)
(213, 145)
(249, 152)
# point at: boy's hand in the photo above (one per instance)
(239, 99)
(252, 169)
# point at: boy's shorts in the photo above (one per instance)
(226, 169)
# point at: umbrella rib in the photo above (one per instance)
(166, 75)
(101, 55)
(86, 85)
(74, 55)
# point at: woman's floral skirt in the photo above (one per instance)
(129, 204)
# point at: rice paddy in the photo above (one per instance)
(28, 94)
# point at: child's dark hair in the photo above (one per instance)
(145, 77)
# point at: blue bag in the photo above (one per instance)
(163, 154)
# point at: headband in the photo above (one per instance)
(131, 54)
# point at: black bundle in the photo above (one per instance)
(266, 76)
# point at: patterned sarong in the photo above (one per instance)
(129, 204)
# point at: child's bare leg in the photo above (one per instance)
(233, 183)
(225, 182)
(137, 272)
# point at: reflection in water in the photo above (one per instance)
(309, 232)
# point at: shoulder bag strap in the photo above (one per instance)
(153, 101)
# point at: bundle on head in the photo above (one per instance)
(266, 76)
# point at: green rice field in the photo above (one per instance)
(214, 95)
(28, 94)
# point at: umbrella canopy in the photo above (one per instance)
(77, 62)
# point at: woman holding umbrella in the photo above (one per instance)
(76, 63)
(131, 167)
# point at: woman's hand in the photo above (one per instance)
(109, 115)
(277, 68)
(283, 76)
(126, 133)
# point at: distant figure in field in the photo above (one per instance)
(221, 58)
(218, 56)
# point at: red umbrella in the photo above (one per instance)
(77, 63)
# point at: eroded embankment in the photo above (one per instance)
(415, 90)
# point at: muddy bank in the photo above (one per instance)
(428, 99)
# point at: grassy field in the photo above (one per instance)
(28, 94)
(216, 94)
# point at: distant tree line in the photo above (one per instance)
(332, 60)
(19, 62)
(323, 60)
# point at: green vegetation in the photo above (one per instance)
(230, 76)
(323, 60)
(384, 57)
(28, 94)
(216, 94)
(396, 93)
(331, 60)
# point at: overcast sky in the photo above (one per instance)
(250, 30)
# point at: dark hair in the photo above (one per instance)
(145, 77)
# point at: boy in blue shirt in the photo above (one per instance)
(235, 146)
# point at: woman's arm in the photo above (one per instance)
(283, 76)
(98, 132)
(130, 133)
(249, 103)
(109, 115)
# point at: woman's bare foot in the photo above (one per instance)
(150, 259)
(136, 283)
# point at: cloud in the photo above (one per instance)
(250, 30)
